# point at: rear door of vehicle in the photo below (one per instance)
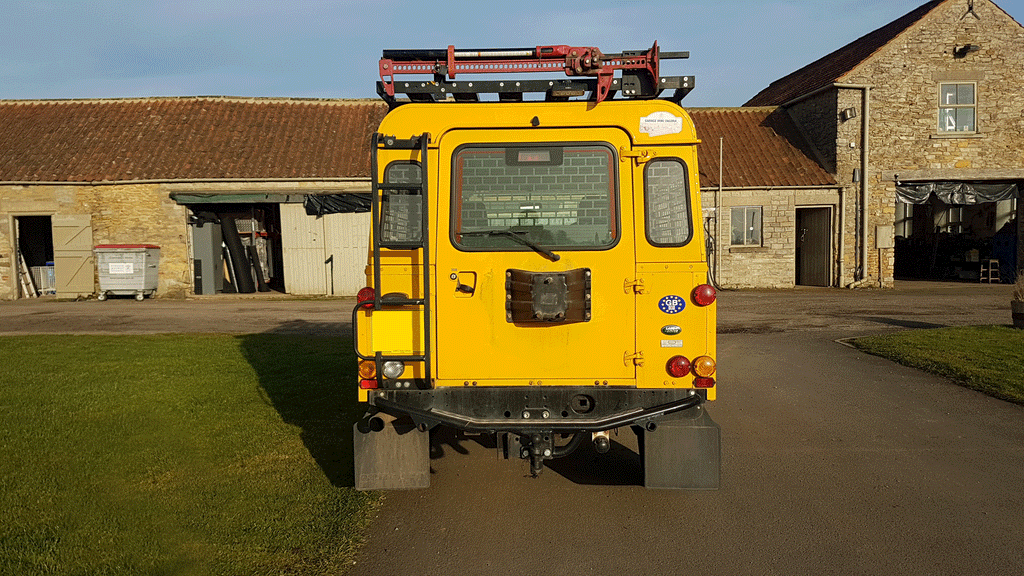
(564, 191)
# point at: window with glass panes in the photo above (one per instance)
(746, 226)
(958, 107)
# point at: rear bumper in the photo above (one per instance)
(525, 410)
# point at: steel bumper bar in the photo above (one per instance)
(426, 416)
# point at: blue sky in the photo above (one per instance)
(329, 49)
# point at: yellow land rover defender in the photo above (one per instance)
(537, 268)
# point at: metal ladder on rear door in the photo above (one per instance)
(398, 231)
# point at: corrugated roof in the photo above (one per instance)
(833, 67)
(185, 139)
(761, 148)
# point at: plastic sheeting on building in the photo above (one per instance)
(956, 193)
(320, 204)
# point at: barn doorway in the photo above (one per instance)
(957, 231)
(54, 255)
(34, 261)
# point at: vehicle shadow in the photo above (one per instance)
(308, 380)
(304, 327)
(620, 466)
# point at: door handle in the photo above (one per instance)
(465, 284)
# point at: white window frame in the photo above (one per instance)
(943, 124)
(904, 220)
(954, 219)
(749, 214)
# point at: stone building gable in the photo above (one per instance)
(185, 139)
(888, 81)
(905, 138)
(905, 77)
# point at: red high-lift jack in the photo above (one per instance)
(592, 71)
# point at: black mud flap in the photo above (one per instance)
(390, 453)
(682, 451)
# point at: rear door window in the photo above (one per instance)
(667, 199)
(560, 196)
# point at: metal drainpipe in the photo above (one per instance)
(865, 143)
(864, 149)
(718, 213)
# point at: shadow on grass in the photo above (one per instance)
(309, 381)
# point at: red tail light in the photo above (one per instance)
(704, 295)
(366, 384)
(703, 382)
(366, 294)
(678, 366)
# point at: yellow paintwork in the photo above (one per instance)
(473, 343)
(397, 332)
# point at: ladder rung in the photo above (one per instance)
(401, 302)
(385, 186)
(401, 245)
(412, 358)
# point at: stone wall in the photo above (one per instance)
(120, 214)
(129, 214)
(840, 145)
(773, 264)
(904, 77)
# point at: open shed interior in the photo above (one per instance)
(960, 234)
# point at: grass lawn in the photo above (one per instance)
(177, 454)
(985, 358)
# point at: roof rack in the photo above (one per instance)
(593, 74)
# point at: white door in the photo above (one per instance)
(347, 245)
(302, 246)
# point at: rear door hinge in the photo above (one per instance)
(633, 286)
(640, 155)
(635, 359)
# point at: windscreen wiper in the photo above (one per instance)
(516, 235)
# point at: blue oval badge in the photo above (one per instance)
(671, 304)
(671, 330)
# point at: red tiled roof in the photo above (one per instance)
(185, 139)
(834, 66)
(226, 138)
(761, 148)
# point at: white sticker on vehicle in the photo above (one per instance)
(671, 343)
(661, 123)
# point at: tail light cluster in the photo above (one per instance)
(703, 367)
(367, 374)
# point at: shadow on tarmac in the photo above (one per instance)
(901, 323)
(620, 466)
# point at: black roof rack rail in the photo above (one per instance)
(592, 74)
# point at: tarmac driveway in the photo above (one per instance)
(909, 305)
(834, 462)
